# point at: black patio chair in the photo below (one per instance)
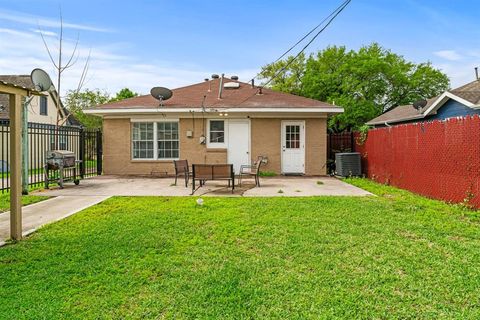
(181, 169)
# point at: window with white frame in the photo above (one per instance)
(216, 133)
(155, 140)
(167, 139)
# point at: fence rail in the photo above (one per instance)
(85, 143)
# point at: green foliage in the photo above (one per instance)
(76, 102)
(267, 174)
(366, 82)
(291, 79)
(392, 256)
(125, 93)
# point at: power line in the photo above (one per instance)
(330, 19)
(333, 16)
(309, 33)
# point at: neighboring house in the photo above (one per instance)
(459, 102)
(42, 109)
(142, 136)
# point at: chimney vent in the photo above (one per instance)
(476, 73)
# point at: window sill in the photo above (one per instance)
(152, 160)
(219, 150)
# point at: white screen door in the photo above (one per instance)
(293, 147)
(238, 143)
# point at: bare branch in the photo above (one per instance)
(46, 46)
(69, 62)
(81, 82)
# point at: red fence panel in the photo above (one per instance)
(439, 159)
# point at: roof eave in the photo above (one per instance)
(374, 123)
(137, 110)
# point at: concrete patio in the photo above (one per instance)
(149, 186)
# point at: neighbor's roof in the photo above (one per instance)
(470, 93)
(25, 81)
(244, 97)
(401, 113)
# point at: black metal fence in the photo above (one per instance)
(336, 143)
(85, 143)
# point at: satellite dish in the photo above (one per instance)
(161, 93)
(420, 104)
(41, 80)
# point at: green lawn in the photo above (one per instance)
(392, 256)
(26, 200)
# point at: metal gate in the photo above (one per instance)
(336, 143)
(85, 143)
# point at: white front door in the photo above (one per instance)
(293, 147)
(238, 143)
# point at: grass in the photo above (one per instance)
(26, 200)
(396, 255)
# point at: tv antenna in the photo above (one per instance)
(161, 94)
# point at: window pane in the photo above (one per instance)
(142, 140)
(217, 125)
(167, 136)
(217, 137)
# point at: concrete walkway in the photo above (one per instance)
(148, 186)
(48, 211)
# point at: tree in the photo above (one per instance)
(62, 63)
(77, 101)
(125, 93)
(366, 82)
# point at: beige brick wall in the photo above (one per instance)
(118, 154)
(265, 140)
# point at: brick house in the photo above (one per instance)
(216, 121)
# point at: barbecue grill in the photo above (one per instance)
(59, 160)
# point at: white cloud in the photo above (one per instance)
(27, 19)
(451, 55)
(110, 69)
(45, 32)
(459, 74)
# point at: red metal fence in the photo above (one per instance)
(439, 159)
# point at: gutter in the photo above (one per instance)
(231, 110)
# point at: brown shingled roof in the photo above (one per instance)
(469, 92)
(401, 113)
(243, 97)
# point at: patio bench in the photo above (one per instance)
(204, 172)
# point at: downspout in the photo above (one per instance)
(25, 145)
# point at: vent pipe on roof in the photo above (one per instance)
(220, 89)
(476, 73)
(253, 83)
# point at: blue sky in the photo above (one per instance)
(141, 44)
